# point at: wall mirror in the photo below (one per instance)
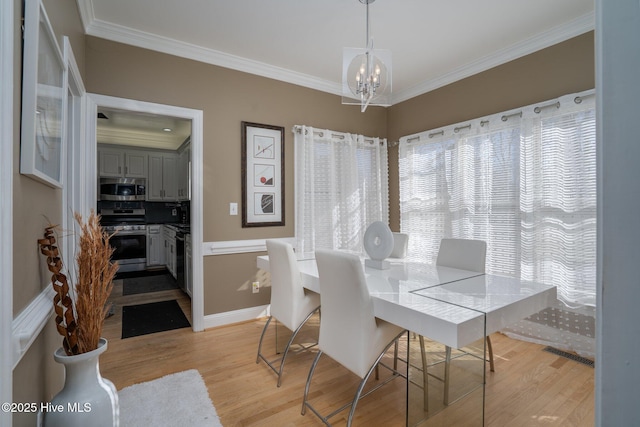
(43, 99)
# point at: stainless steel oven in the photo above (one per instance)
(129, 240)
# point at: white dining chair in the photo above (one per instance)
(350, 334)
(400, 245)
(291, 304)
(464, 254)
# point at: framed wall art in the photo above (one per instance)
(43, 99)
(262, 175)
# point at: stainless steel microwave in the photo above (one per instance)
(122, 188)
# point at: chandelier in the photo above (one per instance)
(366, 73)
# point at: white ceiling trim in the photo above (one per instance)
(87, 14)
(126, 35)
(137, 138)
(169, 46)
(540, 41)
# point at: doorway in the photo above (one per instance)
(152, 111)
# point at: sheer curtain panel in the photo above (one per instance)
(524, 181)
(342, 186)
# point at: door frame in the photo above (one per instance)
(74, 197)
(7, 145)
(89, 174)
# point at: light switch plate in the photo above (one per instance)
(233, 209)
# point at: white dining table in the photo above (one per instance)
(452, 306)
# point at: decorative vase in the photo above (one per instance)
(86, 398)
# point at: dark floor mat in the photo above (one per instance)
(151, 318)
(141, 285)
(141, 273)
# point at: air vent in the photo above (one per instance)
(568, 355)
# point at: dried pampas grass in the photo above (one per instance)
(95, 273)
(95, 281)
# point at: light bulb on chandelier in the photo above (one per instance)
(366, 74)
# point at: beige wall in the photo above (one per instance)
(227, 98)
(36, 205)
(561, 69)
(37, 377)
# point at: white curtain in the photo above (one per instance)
(524, 181)
(342, 186)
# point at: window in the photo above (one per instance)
(524, 181)
(341, 188)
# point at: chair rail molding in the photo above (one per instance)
(30, 322)
(230, 247)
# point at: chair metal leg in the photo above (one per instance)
(308, 384)
(447, 364)
(261, 337)
(490, 349)
(286, 350)
(395, 360)
(358, 396)
(366, 377)
(395, 356)
(425, 376)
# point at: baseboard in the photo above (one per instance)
(236, 316)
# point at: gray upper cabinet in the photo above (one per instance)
(135, 164)
(119, 163)
(162, 183)
(184, 170)
(166, 172)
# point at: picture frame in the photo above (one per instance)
(262, 175)
(44, 100)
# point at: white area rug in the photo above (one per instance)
(179, 399)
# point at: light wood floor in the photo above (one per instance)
(530, 387)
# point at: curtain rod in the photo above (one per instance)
(317, 132)
(578, 99)
(459, 128)
(537, 109)
(298, 129)
(431, 135)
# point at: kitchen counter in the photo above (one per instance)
(181, 228)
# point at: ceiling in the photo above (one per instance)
(121, 127)
(433, 42)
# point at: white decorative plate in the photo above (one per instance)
(378, 241)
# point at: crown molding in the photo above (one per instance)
(170, 46)
(87, 15)
(138, 138)
(97, 28)
(540, 41)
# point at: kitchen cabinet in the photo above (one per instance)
(121, 163)
(188, 279)
(184, 173)
(170, 252)
(162, 184)
(155, 245)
